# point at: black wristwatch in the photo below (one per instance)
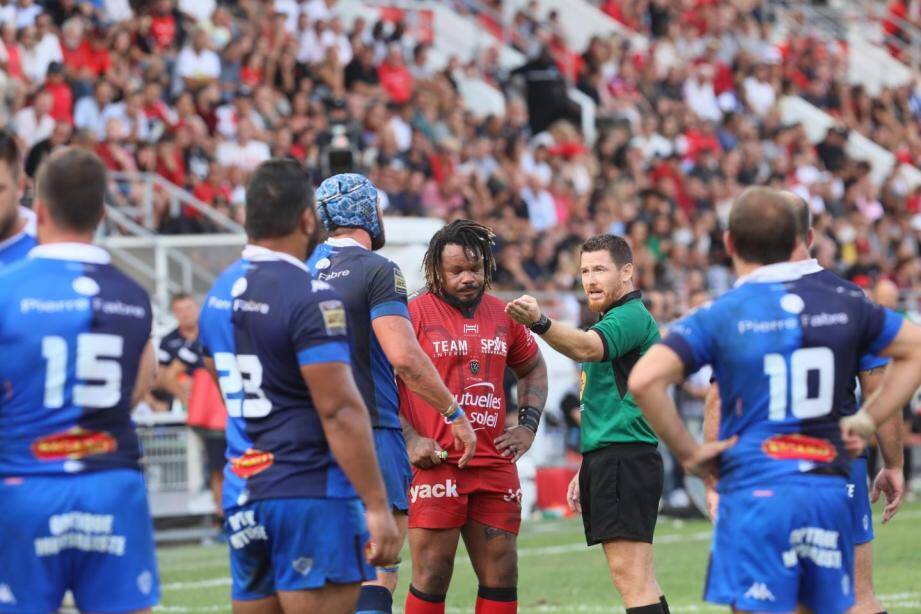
(541, 326)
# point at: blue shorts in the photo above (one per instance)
(296, 545)
(394, 462)
(859, 494)
(89, 533)
(776, 547)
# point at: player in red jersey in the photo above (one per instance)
(471, 341)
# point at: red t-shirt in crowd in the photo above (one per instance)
(163, 31)
(470, 351)
(396, 81)
(62, 107)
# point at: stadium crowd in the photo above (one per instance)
(202, 91)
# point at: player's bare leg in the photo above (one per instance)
(630, 564)
(331, 599)
(268, 605)
(494, 555)
(865, 601)
(433, 553)
(387, 577)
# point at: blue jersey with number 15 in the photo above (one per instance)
(785, 349)
(263, 320)
(72, 332)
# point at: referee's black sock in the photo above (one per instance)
(664, 605)
(652, 608)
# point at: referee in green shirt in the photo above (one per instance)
(620, 483)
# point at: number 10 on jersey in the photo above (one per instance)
(803, 361)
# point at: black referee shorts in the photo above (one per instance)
(620, 487)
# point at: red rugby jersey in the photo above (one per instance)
(471, 354)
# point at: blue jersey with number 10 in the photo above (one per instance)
(263, 320)
(72, 332)
(785, 349)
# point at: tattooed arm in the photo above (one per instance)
(532, 396)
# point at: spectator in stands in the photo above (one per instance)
(35, 123)
(197, 65)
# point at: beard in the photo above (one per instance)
(459, 303)
(8, 225)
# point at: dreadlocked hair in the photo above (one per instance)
(474, 238)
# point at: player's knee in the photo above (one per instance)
(432, 574)
(503, 570)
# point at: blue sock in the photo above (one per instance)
(374, 600)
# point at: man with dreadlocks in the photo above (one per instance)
(471, 341)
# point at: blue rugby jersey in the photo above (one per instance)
(371, 286)
(867, 361)
(785, 349)
(263, 320)
(72, 332)
(15, 248)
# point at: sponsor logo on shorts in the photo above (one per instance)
(433, 491)
(799, 447)
(513, 495)
(759, 592)
(251, 463)
(73, 444)
(302, 565)
(81, 531)
(145, 582)
(245, 530)
(6, 595)
(814, 544)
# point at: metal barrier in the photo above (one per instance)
(173, 469)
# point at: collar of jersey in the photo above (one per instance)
(256, 253)
(79, 252)
(773, 273)
(344, 242)
(808, 267)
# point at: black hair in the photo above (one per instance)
(276, 197)
(763, 226)
(474, 238)
(71, 183)
(9, 152)
(618, 247)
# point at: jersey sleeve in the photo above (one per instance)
(318, 326)
(387, 290)
(881, 326)
(523, 347)
(868, 362)
(691, 340)
(619, 334)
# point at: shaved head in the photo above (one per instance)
(762, 226)
(886, 293)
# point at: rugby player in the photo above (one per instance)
(471, 341)
(299, 442)
(17, 224)
(890, 479)
(75, 357)
(383, 344)
(782, 345)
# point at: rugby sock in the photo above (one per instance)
(664, 604)
(418, 602)
(374, 600)
(497, 600)
(652, 608)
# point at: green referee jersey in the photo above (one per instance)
(609, 414)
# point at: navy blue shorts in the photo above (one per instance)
(859, 494)
(776, 547)
(89, 533)
(295, 545)
(394, 462)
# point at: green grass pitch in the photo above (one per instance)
(559, 574)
